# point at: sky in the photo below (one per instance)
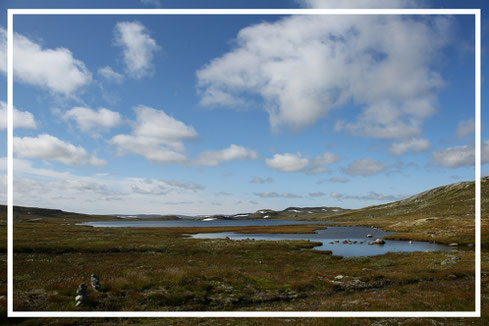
(213, 114)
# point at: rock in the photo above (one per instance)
(354, 241)
(432, 235)
(371, 243)
(411, 242)
(331, 242)
(94, 280)
(339, 277)
(82, 295)
(345, 241)
(379, 241)
(369, 236)
(450, 260)
(453, 244)
(337, 241)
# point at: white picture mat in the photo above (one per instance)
(105, 314)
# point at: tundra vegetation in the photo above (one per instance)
(161, 269)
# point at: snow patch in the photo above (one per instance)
(210, 219)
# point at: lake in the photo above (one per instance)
(331, 238)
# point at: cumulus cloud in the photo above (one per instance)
(138, 48)
(52, 69)
(47, 147)
(287, 162)
(232, 153)
(453, 157)
(364, 167)
(261, 180)
(465, 127)
(457, 156)
(156, 136)
(371, 195)
(276, 195)
(22, 119)
(410, 146)
(110, 75)
(302, 67)
(88, 119)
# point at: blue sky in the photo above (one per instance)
(227, 114)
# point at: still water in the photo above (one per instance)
(338, 233)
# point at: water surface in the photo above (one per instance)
(338, 233)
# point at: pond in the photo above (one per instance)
(332, 239)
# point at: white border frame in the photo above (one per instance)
(12, 12)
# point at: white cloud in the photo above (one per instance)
(53, 69)
(287, 162)
(47, 147)
(109, 74)
(88, 119)
(276, 195)
(138, 48)
(106, 193)
(156, 136)
(412, 145)
(232, 153)
(465, 127)
(372, 195)
(261, 180)
(325, 158)
(457, 156)
(364, 167)
(453, 157)
(305, 66)
(22, 119)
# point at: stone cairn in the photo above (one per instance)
(94, 280)
(82, 295)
